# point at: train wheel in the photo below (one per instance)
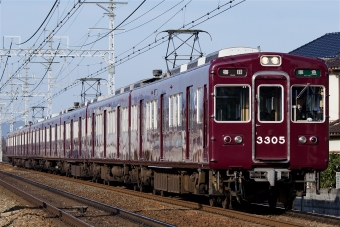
(212, 201)
(272, 202)
(226, 202)
(288, 204)
(154, 191)
(141, 187)
(135, 187)
(162, 193)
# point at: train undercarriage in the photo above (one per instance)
(226, 188)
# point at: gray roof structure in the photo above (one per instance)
(326, 46)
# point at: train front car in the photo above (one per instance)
(268, 127)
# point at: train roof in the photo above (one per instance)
(158, 76)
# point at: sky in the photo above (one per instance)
(278, 26)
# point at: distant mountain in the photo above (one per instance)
(5, 127)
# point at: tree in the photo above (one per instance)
(328, 176)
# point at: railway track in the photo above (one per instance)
(73, 209)
(266, 220)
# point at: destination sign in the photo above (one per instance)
(307, 73)
(232, 72)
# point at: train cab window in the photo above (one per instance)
(232, 103)
(270, 103)
(307, 103)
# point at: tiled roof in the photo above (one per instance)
(334, 128)
(333, 63)
(326, 46)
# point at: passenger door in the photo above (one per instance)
(270, 126)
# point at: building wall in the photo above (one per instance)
(334, 97)
(334, 144)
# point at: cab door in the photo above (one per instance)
(270, 129)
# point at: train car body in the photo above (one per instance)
(236, 125)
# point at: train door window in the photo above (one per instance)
(44, 139)
(56, 139)
(125, 119)
(192, 104)
(148, 110)
(80, 131)
(151, 114)
(83, 128)
(175, 110)
(165, 114)
(53, 134)
(68, 131)
(99, 124)
(155, 113)
(134, 118)
(75, 129)
(232, 103)
(48, 134)
(199, 105)
(270, 103)
(307, 103)
(112, 122)
(61, 138)
(89, 126)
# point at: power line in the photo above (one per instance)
(116, 26)
(41, 23)
(6, 63)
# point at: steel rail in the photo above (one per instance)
(102, 206)
(68, 218)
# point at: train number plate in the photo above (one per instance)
(270, 140)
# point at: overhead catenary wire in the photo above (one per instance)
(3, 72)
(48, 68)
(116, 26)
(32, 55)
(41, 24)
(150, 46)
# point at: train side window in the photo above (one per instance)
(307, 103)
(270, 103)
(232, 103)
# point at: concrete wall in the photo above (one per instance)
(334, 97)
(328, 202)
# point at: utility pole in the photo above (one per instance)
(111, 59)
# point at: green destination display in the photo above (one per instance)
(307, 73)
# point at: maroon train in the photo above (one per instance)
(236, 125)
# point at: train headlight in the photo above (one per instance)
(302, 139)
(264, 60)
(275, 60)
(227, 139)
(313, 139)
(238, 139)
(271, 60)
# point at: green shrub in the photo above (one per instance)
(327, 177)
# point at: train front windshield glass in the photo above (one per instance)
(307, 103)
(270, 103)
(232, 103)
